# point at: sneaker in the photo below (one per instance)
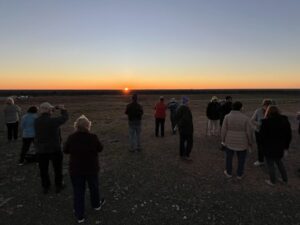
(81, 220)
(21, 164)
(226, 174)
(239, 177)
(269, 182)
(258, 163)
(102, 202)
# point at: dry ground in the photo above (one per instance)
(154, 186)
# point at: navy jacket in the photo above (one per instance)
(276, 135)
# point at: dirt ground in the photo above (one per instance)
(153, 186)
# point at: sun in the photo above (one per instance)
(126, 90)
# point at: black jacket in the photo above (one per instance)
(276, 135)
(83, 148)
(184, 120)
(134, 111)
(47, 130)
(213, 111)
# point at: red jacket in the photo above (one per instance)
(160, 110)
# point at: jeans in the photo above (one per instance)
(260, 153)
(57, 160)
(159, 123)
(25, 148)
(185, 144)
(173, 121)
(134, 134)
(12, 130)
(78, 183)
(241, 157)
(271, 167)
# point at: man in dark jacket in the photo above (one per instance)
(225, 108)
(213, 115)
(184, 121)
(134, 112)
(48, 143)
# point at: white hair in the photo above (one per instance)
(82, 123)
(10, 101)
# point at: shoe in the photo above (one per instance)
(269, 182)
(21, 163)
(227, 175)
(281, 181)
(240, 177)
(102, 202)
(258, 163)
(81, 220)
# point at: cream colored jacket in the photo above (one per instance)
(236, 133)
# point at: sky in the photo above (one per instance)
(142, 44)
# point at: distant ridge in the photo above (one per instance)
(148, 92)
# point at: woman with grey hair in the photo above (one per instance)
(12, 114)
(83, 148)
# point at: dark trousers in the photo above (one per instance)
(159, 123)
(241, 157)
(260, 153)
(56, 159)
(12, 130)
(173, 122)
(25, 147)
(78, 183)
(185, 144)
(271, 167)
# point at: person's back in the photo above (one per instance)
(236, 131)
(47, 129)
(160, 110)
(12, 113)
(134, 111)
(172, 106)
(184, 119)
(276, 135)
(213, 110)
(27, 125)
(83, 148)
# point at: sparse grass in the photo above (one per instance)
(154, 186)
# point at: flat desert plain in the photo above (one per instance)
(153, 186)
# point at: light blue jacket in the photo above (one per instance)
(27, 125)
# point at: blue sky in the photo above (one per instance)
(129, 40)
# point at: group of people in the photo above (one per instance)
(38, 125)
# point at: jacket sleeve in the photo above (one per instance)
(66, 147)
(98, 144)
(249, 131)
(288, 133)
(224, 129)
(62, 118)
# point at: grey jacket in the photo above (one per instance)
(12, 113)
(47, 132)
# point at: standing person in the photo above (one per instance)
(276, 135)
(83, 147)
(256, 119)
(236, 136)
(48, 143)
(12, 114)
(184, 121)
(213, 115)
(28, 132)
(134, 112)
(172, 106)
(225, 109)
(160, 117)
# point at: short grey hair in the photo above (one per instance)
(10, 101)
(82, 123)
